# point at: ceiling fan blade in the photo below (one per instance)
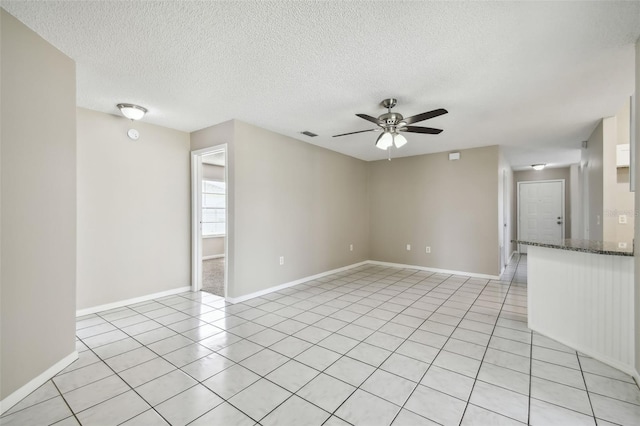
(425, 116)
(353, 133)
(369, 118)
(417, 129)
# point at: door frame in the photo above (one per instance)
(196, 215)
(506, 202)
(562, 205)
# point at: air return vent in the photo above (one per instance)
(308, 133)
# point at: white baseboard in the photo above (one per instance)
(355, 265)
(440, 271)
(291, 283)
(36, 382)
(122, 303)
(213, 256)
(513, 253)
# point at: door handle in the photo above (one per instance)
(559, 222)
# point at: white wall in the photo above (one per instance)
(38, 208)
(133, 209)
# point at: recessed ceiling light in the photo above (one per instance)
(538, 166)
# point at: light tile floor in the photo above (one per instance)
(369, 346)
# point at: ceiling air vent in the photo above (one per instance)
(308, 133)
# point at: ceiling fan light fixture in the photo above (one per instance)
(384, 141)
(131, 111)
(399, 140)
(538, 166)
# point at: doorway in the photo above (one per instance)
(541, 211)
(209, 220)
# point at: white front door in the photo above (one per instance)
(541, 211)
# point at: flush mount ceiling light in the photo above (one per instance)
(131, 111)
(538, 166)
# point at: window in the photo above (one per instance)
(213, 208)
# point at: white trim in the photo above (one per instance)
(511, 257)
(440, 271)
(196, 215)
(126, 302)
(36, 382)
(214, 235)
(213, 256)
(291, 283)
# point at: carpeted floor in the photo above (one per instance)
(213, 276)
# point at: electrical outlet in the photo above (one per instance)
(350, 247)
(281, 260)
(622, 218)
(408, 247)
(622, 245)
(428, 249)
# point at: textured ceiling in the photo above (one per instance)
(533, 76)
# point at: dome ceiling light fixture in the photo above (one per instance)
(132, 111)
(538, 166)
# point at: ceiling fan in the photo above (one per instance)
(391, 123)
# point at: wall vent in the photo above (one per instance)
(308, 133)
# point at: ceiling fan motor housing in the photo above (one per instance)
(390, 119)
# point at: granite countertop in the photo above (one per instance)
(586, 246)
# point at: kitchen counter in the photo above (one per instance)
(585, 246)
(580, 293)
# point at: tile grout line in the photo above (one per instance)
(586, 388)
(354, 286)
(115, 396)
(443, 345)
(73, 413)
(487, 348)
(307, 325)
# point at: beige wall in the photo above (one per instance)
(506, 221)
(133, 209)
(545, 174)
(637, 207)
(220, 134)
(212, 246)
(38, 199)
(592, 162)
(427, 200)
(617, 198)
(295, 200)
